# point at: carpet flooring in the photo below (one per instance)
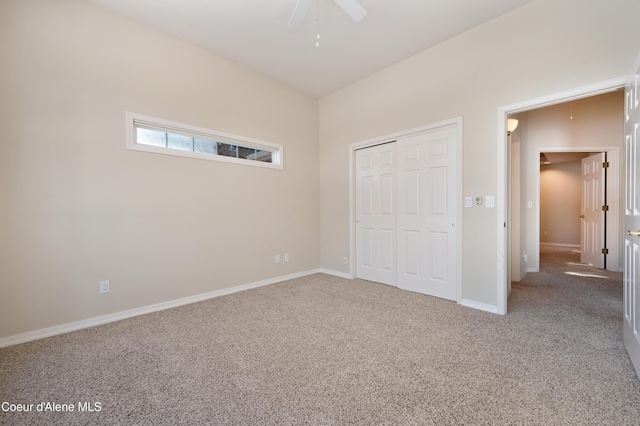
(329, 351)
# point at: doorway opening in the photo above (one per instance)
(574, 208)
(554, 137)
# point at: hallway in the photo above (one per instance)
(565, 282)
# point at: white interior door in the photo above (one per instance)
(376, 214)
(631, 272)
(427, 213)
(592, 233)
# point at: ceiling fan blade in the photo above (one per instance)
(353, 9)
(295, 22)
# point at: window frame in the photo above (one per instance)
(135, 120)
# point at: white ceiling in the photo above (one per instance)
(254, 33)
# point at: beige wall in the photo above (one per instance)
(555, 46)
(77, 207)
(518, 185)
(518, 266)
(560, 199)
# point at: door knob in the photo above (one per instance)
(633, 233)
(582, 216)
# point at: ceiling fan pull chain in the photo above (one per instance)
(318, 23)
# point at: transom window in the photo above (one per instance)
(166, 137)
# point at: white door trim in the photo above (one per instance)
(457, 121)
(502, 196)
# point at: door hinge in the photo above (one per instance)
(605, 165)
(605, 208)
(605, 251)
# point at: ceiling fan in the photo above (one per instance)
(351, 8)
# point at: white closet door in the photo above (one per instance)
(376, 213)
(427, 212)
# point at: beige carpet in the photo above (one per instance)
(324, 350)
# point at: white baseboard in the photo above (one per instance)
(335, 273)
(560, 245)
(117, 316)
(480, 306)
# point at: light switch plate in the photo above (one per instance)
(468, 202)
(488, 201)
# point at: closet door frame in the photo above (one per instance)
(454, 122)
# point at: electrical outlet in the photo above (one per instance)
(345, 260)
(286, 257)
(104, 286)
(277, 260)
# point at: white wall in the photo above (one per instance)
(557, 46)
(560, 203)
(77, 207)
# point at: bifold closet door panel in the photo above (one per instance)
(376, 213)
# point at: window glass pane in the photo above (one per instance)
(157, 135)
(264, 156)
(227, 150)
(201, 145)
(184, 143)
(246, 153)
(151, 137)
